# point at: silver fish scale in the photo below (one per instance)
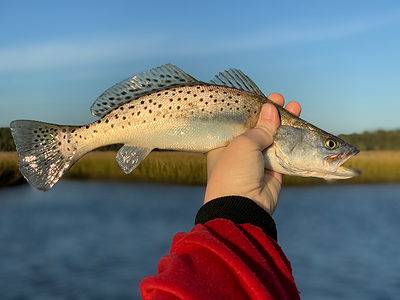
(192, 118)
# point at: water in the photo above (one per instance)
(97, 240)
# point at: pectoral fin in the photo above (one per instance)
(129, 157)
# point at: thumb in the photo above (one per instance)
(268, 122)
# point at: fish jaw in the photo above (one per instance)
(342, 172)
(277, 161)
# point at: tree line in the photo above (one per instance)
(375, 140)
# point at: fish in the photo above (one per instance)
(166, 108)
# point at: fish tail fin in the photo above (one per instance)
(45, 151)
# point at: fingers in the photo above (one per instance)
(277, 98)
(294, 107)
(268, 122)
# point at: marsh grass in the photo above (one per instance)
(9, 173)
(190, 168)
(167, 167)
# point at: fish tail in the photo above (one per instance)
(45, 151)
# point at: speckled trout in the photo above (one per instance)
(166, 108)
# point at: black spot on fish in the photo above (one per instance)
(150, 101)
(87, 127)
(123, 118)
(178, 107)
(111, 98)
(149, 111)
(166, 93)
(138, 113)
(142, 102)
(107, 120)
(201, 99)
(123, 93)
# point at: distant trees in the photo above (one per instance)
(376, 140)
(6, 140)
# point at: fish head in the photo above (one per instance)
(308, 151)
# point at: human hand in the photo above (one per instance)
(239, 168)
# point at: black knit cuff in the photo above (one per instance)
(239, 210)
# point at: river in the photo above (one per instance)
(96, 240)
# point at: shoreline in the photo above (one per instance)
(379, 166)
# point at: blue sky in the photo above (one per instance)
(341, 59)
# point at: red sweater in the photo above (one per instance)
(221, 259)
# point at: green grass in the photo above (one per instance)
(190, 168)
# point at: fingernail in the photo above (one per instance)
(269, 111)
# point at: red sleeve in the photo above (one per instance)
(222, 260)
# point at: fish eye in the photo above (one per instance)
(330, 144)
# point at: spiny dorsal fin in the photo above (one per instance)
(138, 85)
(236, 79)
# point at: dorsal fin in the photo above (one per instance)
(236, 79)
(138, 85)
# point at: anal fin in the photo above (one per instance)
(129, 157)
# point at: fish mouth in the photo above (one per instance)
(339, 159)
